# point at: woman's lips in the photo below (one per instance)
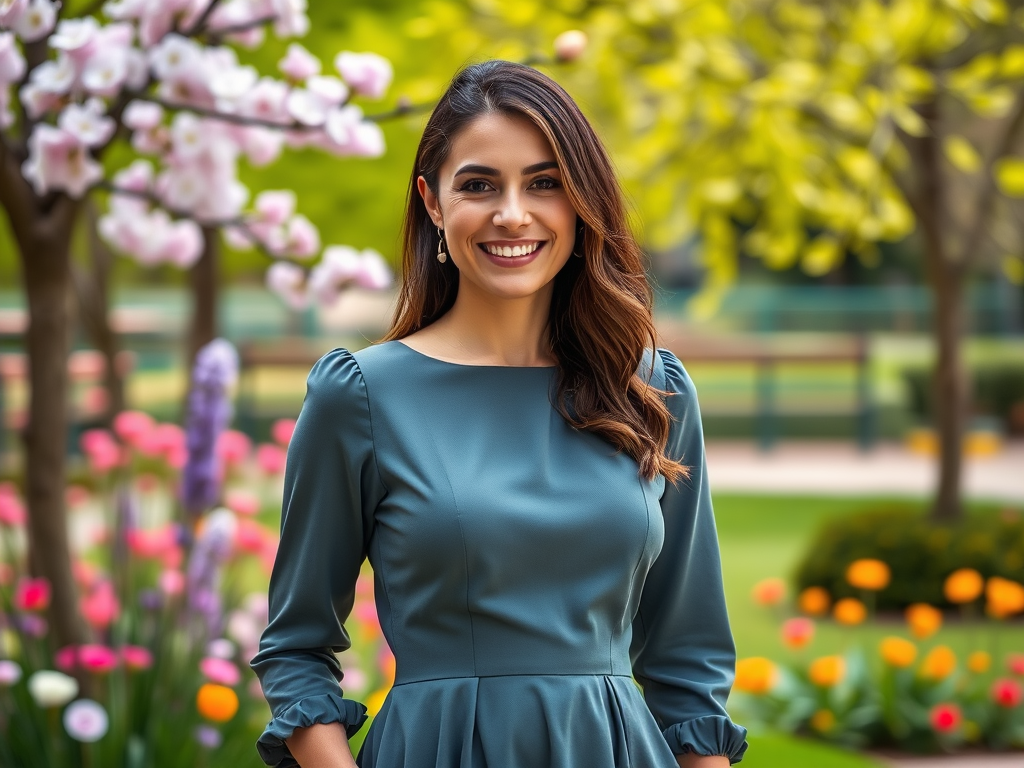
(513, 261)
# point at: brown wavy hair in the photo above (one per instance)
(600, 320)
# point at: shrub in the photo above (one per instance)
(920, 554)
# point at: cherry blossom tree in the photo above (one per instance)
(164, 78)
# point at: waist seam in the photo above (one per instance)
(397, 684)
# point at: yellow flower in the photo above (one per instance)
(898, 652)
(939, 663)
(869, 574)
(979, 662)
(924, 620)
(827, 671)
(823, 720)
(216, 702)
(963, 586)
(814, 601)
(375, 701)
(1004, 597)
(849, 611)
(769, 591)
(755, 675)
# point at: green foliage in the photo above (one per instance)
(997, 391)
(920, 553)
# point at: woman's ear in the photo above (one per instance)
(430, 202)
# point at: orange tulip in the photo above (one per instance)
(963, 586)
(814, 601)
(798, 632)
(849, 611)
(216, 702)
(924, 620)
(769, 591)
(897, 652)
(939, 663)
(868, 573)
(755, 675)
(827, 671)
(1004, 597)
(979, 662)
(823, 720)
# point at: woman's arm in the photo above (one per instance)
(323, 745)
(702, 761)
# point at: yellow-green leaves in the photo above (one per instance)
(961, 154)
(821, 255)
(1009, 174)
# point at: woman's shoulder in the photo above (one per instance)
(669, 373)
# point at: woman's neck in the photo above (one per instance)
(484, 330)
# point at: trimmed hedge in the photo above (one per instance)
(921, 554)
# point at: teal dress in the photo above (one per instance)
(524, 574)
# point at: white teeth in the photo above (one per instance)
(507, 252)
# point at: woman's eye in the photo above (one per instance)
(546, 183)
(476, 185)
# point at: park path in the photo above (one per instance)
(824, 468)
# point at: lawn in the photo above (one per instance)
(764, 536)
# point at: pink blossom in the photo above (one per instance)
(12, 63)
(172, 582)
(66, 659)
(32, 594)
(12, 511)
(133, 427)
(242, 502)
(58, 160)
(233, 447)
(275, 206)
(231, 84)
(86, 720)
(100, 607)
(281, 430)
(106, 71)
(354, 679)
(6, 115)
(163, 439)
(302, 238)
(137, 177)
(98, 659)
(221, 647)
(367, 73)
(11, 11)
(87, 123)
(184, 244)
(220, 671)
(267, 100)
(288, 281)
(152, 543)
(143, 115)
(262, 145)
(136, 658)
(270, 458)
(299, 64)
(307, 107)
(36, 21)
(328, 88)
(290, 19)
(243, 629)
(77, 37)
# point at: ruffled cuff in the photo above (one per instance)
(710, 735)
(326, 708)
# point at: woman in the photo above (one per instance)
(512, 462)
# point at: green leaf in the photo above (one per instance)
(1013, 268)
(961, 154)
(1009, 174)
(1011, 63)
(821, 255)
(908, 119)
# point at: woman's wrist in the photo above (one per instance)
(693, 760)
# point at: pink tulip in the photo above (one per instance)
(282, 430)
(220, 671)
(133, 427)
(98, 659)
(172, 582)
(233, 447)
(100, 607)
(152, 543)
(66, 659)
(12, 511)
(242, 502)
(167, 438)
(173, 558)
(270, 458)
(136, 658)
(93, 440)
(32, 594)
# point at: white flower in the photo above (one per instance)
(299, 64)
(188, 135)
(87, 123)
(233, 83)
(330, 89)
(37, 21)
(174, 57)
(74, 34)
(86, 720)
(12, 63)
(290, 19)
(106, 71)
(55, 76)
(52, 689)
(221, 648)
(143, 115)
(307, 107)
(10, 673)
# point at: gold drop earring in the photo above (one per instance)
(441, 255)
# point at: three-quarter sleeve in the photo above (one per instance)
(331, 487)
(682, 650)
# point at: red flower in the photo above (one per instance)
(945, 718)
(1007, 692)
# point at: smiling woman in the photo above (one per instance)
(509, 460)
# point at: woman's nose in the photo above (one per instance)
(512, 213)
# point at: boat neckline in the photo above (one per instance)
(472, 365)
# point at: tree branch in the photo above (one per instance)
(227, 117)
(216, 34)
(200, 23)
(986, 195)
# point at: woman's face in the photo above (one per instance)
(507, 221)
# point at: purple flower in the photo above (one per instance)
(208, 736)
(212, 548)
(209, 411)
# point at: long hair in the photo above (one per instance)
(600, 320)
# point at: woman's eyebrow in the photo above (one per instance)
(483, 170)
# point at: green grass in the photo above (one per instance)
(773, 750)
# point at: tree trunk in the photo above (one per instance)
(203, 278)
(92, 287)
(44, 246)
(950, 384)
